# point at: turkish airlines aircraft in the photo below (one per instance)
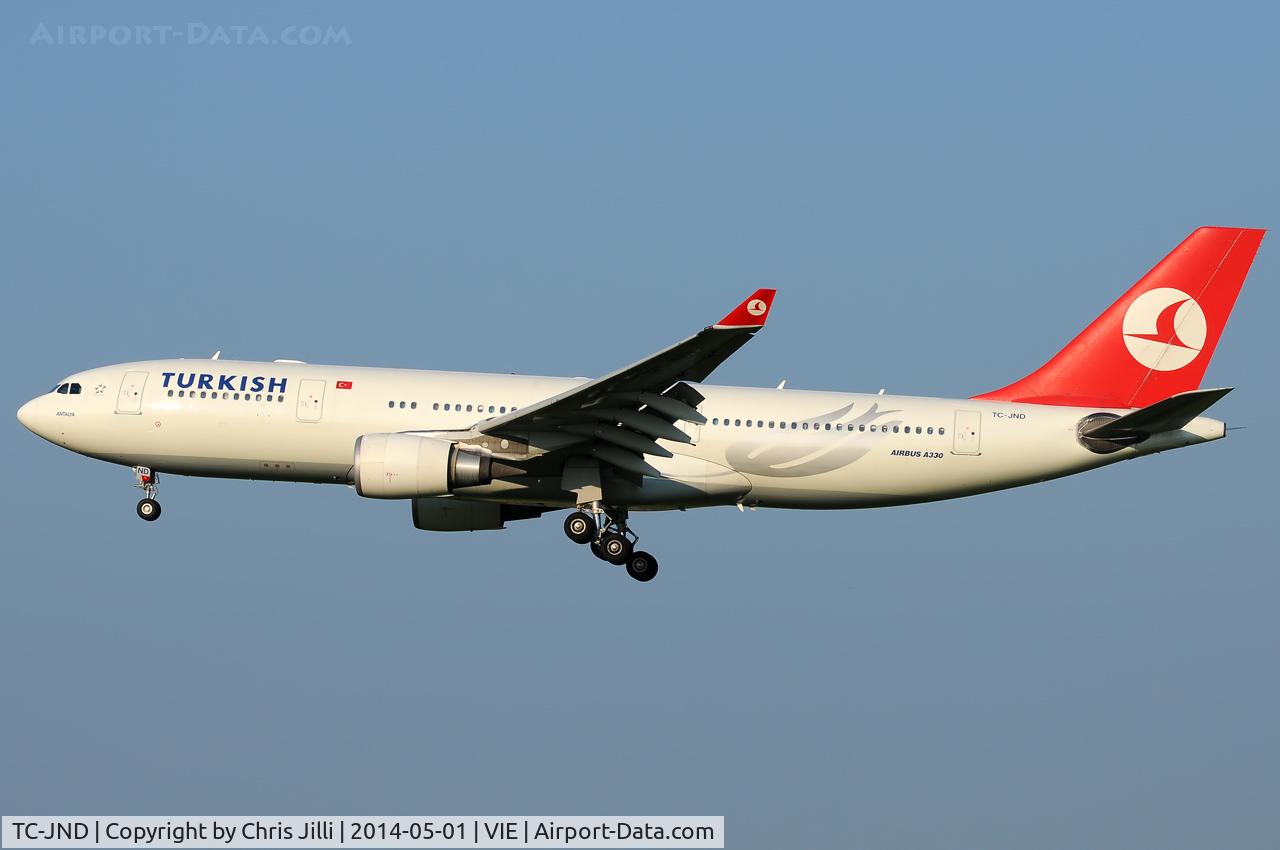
(474, 451)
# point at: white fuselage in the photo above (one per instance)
(772, 448)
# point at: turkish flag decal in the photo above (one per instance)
(344, 385)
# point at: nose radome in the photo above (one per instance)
(26, 415)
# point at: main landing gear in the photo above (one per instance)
(148, 508)
(611, 540)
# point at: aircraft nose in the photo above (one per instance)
(27, 416)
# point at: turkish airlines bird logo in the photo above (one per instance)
(757, 307)
(1164, 329)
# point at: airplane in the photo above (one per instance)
(472, 452)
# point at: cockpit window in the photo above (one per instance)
(75, 389)
(63, 389)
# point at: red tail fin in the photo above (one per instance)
(1158, 338)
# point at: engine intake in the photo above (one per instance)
(405, 466)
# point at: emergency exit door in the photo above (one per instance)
(967, 436)
(130, 398)
(311, 401)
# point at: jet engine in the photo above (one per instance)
(405, 466)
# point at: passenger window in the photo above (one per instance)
(435, 405)
(864, 427)
(930, 429)
(413, 406)
(793, 426)
(805, 426)
(170, 393)
(941, 431)
(389, 404)
(502, 409)
(715, 421)
(895, 429)
(402, 405)
(748, 423)
(468, 408)
(873, 429)
(491, 408)
(917, 429)
(737, 423)
(828, 428)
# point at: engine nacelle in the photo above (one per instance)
(404, 466)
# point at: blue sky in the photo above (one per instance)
(941, 194)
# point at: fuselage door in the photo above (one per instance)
(130, 398)
(968, 433)
(311, 401)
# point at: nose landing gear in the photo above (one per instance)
(610, 539)
(148, 508)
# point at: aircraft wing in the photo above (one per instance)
(629, 409)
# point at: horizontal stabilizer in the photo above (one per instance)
(1167, 415)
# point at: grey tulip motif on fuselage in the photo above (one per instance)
(798, 457)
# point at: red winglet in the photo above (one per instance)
(750, 313)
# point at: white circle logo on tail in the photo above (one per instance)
(756, 307)
(1164, 329)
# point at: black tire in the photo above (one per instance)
(149, 509)
(642, 566)
(595, 550)
(615, 548)
(580, 527)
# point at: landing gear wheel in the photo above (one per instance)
(149, 509)
(595, 550)
(580, 527)
(642, 566)
(615, 548)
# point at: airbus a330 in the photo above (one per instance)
(472, 452)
